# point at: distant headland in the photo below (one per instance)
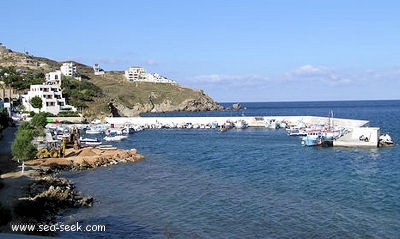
(91, 91)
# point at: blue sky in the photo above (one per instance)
(255, 50)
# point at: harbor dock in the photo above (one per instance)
(358, 134)
(252, 121)
(354, 133)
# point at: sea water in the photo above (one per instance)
(250, 183)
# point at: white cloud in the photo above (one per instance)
(321, 74)
(309, 70)
(151, 63)
(243, 80)
(109, 61)
(326, 83)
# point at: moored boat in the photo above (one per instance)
(385, 140)
(310, 141)
(115, 137)
(296, 132)
(94, 131)
(240, 124)
(89, 141)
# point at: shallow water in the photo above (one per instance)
(252, 183)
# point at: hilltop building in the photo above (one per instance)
(3, 49)
(97, 70)
(138, 74)
(135, 73)
(52, 100)
(68, 69)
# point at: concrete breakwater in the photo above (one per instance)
(252, 121)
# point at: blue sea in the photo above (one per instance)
(251, 183)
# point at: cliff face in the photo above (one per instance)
(203, 103)
(120, 97)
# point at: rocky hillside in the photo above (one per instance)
(119, 98)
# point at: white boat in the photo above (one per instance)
(271, 124)
(240, 124)
(92, 143)
(94, 131)
(297, 132)
(115, 137)
(385, 140)
(89, 141)
(84, 140)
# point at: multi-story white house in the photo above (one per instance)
(54, 78)
(137, 73)
(52, 100)
(154, 77)
(69, 69)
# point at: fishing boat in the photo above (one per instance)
(313, 138)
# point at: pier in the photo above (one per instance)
(252, 121)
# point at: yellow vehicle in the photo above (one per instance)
(45, 153)
(52, 150)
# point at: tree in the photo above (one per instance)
(22, 148)
(9, 76)
(36, 102)
(39, 120)
(13, 78)
(25, 125)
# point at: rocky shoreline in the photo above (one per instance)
(48, 195)
(87, 158)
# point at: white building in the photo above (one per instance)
(138, 74)
(154, 77)
(54, 78)
(135, 73)
(97, 70)
(69, 69)
(52, 100)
